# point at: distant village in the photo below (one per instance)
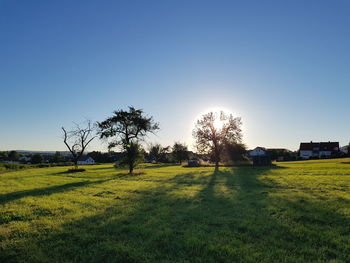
(258, 155)
(307, 151)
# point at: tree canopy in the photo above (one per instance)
(37, 158)
(158, 153)
(126, 128)
(211, 138)
(179, 152)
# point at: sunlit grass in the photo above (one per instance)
(291, 212)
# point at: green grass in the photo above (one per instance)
(292, 212)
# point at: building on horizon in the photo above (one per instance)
(318, 150)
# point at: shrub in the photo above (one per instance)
(13, 166)
(42, 165)
(62, 164)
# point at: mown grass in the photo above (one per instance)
(290, 212)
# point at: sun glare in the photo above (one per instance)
(217, 123)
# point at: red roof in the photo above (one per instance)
(319, 146)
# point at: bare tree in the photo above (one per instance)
(78, 139)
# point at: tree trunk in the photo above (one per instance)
(217, 155)
(131, 168)
(217, 164)
(76, 164)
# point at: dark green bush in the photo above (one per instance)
(13, 166)
(42, 165)
(19, 166)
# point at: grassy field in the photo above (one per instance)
(291, 212)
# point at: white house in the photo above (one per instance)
(345, 149)
(86, 160)
(258, 151)
(311, 149)
(25, 159)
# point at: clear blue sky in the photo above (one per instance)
(283, 66)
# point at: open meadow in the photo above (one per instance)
(289, 212)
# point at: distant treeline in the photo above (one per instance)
(157, 153)
(8, 158)
(34, 158)
(21, 166)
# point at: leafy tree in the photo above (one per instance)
(97, 156)
(102, 157)
(13, 156)
(57, 157)
(235, 151)
(211, 138)
(3, 155)
(36, 158)
(277, 153)
(180, 152)
(126, 128)
(134, 155)
(158, 153)
(78, 139)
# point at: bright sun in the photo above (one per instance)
(217, 123)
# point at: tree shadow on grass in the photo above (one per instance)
(102, 168)
(70, 171)
(229, 216)
(5, 198)
(285, 226)
(161, 165)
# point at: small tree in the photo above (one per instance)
(179, 152)
(214, 130)
(3, 155)
(78, 139)
(134, 155)
(97, 156)
(127, 129)
(158, 153)
(57, 157)
(13, 156)
(36, 159)
(235, 152)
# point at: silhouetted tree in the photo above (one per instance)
(97, 156)
(158, 153)
(57, 157)
(102, 157)
(134, 155)
(275, 154)
(211, 139)
(78, 139)
(36, 158)
(126, 129)
(235, 151)
(13, 156)
(3, 155)
(180, 152)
